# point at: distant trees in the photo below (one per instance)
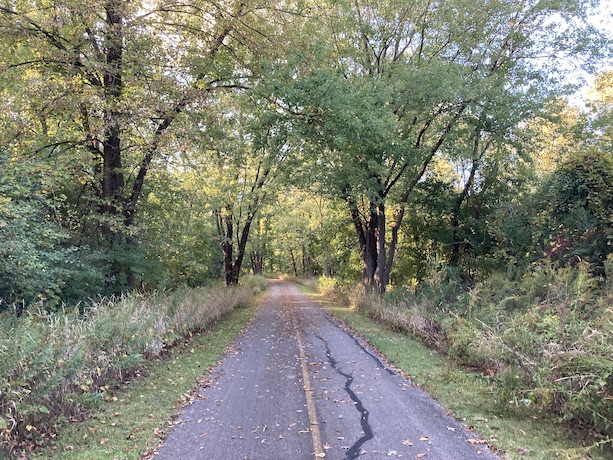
(141, 140)
(393, 86)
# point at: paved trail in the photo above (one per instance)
(298, 387)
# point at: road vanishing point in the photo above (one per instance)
(297, 385)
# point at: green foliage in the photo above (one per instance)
(544, 340)
(580, 198)
(177, 237)
(54, 366)
(38, 260)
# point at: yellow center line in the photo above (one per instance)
(308, 390)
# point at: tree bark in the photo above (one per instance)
(225, 230)
(306, 262)
(293, 259)
(112, 176)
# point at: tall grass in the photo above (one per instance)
(546, 341)
(54, 366)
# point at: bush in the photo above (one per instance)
(258, 283)
(545, 339)
(54, 366)
(327, 284)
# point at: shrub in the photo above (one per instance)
(54, 366)
(327, 284)
(258, 283)
(473, 345)
(545, 339)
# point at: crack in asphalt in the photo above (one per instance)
(354, 451)
(364, 349)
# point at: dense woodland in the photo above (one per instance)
(159, 144)
(426, 150)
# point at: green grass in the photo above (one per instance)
(132, 423)
(470, 396)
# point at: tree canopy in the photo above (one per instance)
(150, 144)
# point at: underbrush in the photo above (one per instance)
(311, 283)
(54, 366)
(545, 341)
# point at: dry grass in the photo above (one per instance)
(55, 366)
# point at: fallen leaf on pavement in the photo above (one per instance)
(476, 441)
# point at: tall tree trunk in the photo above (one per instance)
(367, 237)
(326, 248)
(112, 181)
(293, 259)
(383, 269)
(306, 262)
(374, 253)
(112, 176)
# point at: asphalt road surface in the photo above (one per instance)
(297, 386)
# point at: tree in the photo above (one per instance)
(601, 111)
(395, 83)
(244, 148)
(579, 197)
(562, 211)
(111, 78)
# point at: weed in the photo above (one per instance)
(545, 340)
(56, 366)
